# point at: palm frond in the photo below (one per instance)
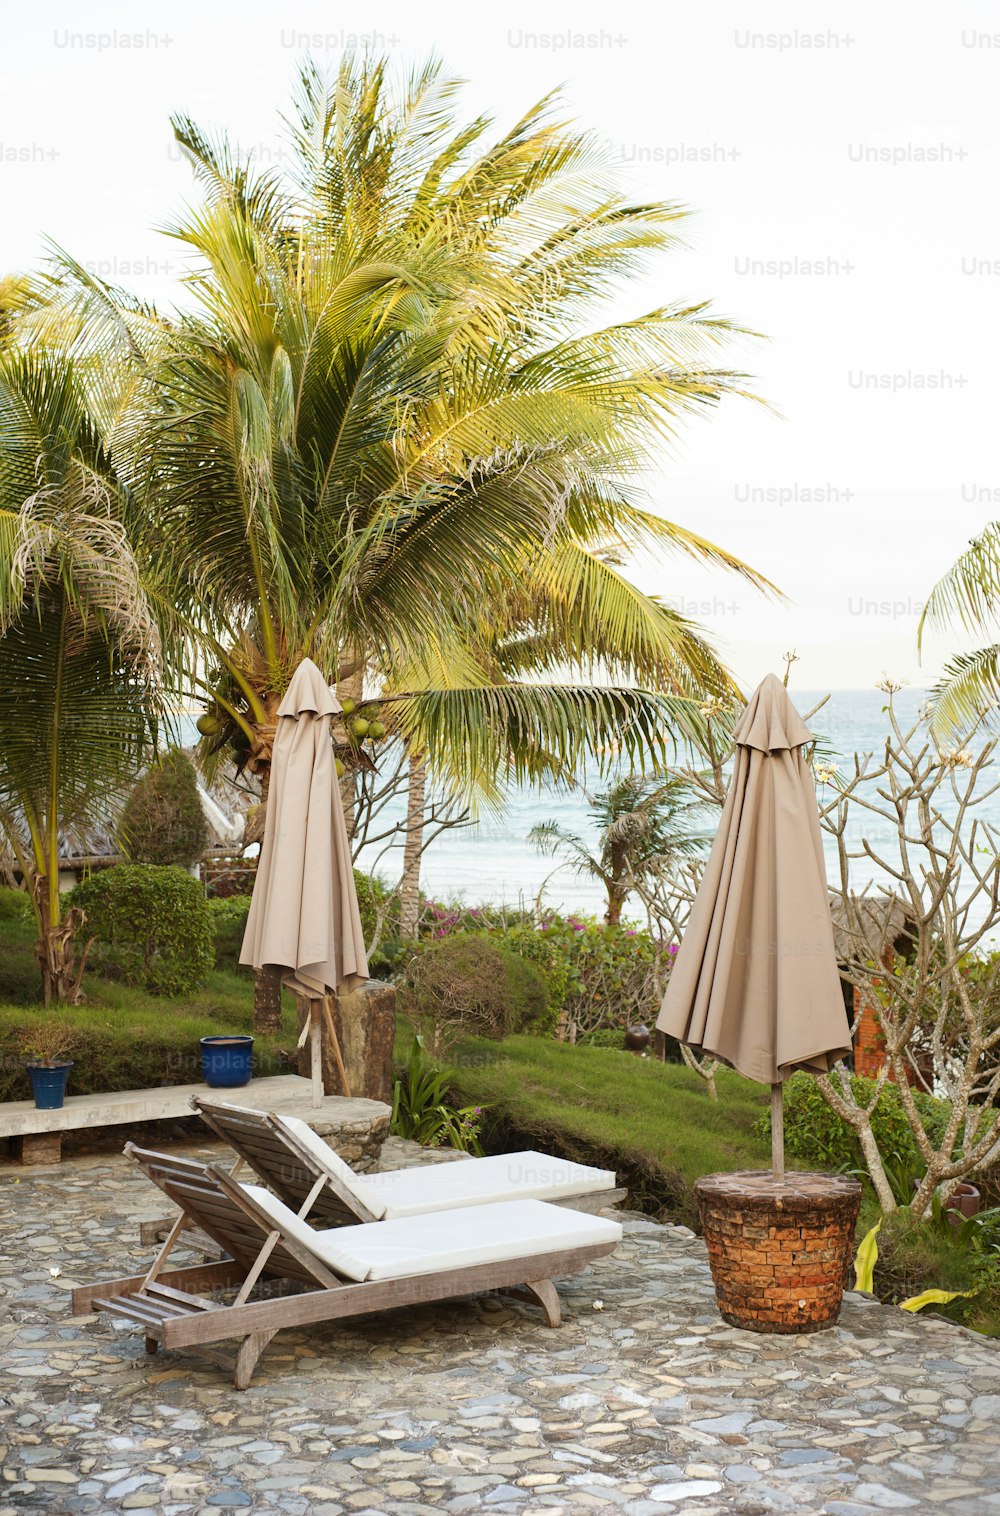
(970, 591)
(483, 740)
(967, 692)
(398, 423)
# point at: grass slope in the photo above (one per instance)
(651, 1121)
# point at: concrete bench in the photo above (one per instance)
(357, 1128)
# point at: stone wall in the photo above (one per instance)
(358, 1134)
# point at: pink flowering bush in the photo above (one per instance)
(598, 978)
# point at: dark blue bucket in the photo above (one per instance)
(227, 1062)
(48, 1084)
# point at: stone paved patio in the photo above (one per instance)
(643, 1403)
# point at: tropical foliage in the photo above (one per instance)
(374, 415)
(422, 1107)
(375, 432)
(79, 646)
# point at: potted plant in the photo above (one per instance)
(44, 1051)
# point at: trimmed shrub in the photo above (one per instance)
(228, 915)
(228, 878)
(129, 1048)
(163, 821)
(153, 926)
(470, 983)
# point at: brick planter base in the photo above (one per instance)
(779, 1251)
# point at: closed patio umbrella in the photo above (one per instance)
(304, 919)
(755, 981)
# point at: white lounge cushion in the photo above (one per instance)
(332, 1161)
(445, 1186)
(483, 1181)
(447, 1240)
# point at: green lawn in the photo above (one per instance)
(128, 1039)
(651, 1121)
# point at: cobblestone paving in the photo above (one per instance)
(643, 1403)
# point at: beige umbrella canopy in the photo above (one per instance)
(755, 981)
(304, 918)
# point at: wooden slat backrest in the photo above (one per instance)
(228, 1214)
(275, 1153)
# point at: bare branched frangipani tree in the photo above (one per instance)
(917, 813)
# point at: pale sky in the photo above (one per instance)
(842, 161)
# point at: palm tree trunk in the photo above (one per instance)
(55, 950)
(267, 1000)
(616, 887)
(616, 899)
(351, 683)
(267, 981)
(409, 894)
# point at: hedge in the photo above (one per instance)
(152, 926)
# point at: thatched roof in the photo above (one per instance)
(865, 927)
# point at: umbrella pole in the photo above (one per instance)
(316, 1052)
(777, 1133)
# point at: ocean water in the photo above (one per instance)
(493, 861)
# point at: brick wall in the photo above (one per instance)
(869, 1049)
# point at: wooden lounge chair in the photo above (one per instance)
(333, 1274)
(290, 1157)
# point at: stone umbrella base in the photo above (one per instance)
(779, 1249)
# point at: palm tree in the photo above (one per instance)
(385, 421)
(78, 638)
(969, 594)
(566, 621)
(644, 826)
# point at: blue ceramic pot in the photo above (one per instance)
(227, 1062)
(48, 1084)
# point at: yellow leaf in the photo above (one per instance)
(933, 1297)
(865, 1260)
